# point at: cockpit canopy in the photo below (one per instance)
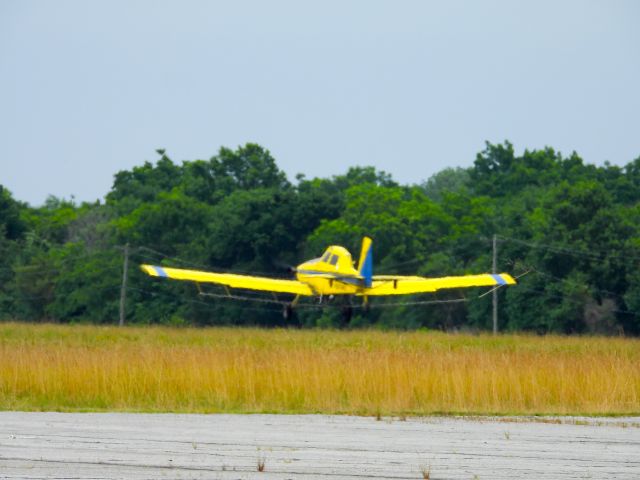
(337, 256)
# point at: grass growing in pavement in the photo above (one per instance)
(54, 367)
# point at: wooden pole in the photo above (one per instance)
(123, 289)
(495, 290)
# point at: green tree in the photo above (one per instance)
(449, 180)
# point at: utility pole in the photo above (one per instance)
(123, 289)
(495, 290)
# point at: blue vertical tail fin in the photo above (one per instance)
(365, 264)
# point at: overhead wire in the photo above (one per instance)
(171, 257)
(198, 265)
(571, 282)
(572, 300)
(568, 250)
(255, 297)
(56, 295)
(64, 261)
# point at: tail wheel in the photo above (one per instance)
(287, 312)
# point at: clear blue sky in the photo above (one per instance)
(88, 88)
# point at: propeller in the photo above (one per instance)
(284, 266)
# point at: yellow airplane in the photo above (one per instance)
(334, 274)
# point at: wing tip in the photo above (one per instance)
(153, 271)
(148, 269)
(508, 279)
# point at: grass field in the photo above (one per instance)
(51, 367)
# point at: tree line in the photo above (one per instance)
(569, 230)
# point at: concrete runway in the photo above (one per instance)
(150, 446)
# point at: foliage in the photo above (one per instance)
(571, 228)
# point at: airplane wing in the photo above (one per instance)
(399, 285)
(247, 282)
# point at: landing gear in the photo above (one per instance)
(287, 311)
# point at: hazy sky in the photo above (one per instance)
(88, 88)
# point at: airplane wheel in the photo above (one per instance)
(287, 312)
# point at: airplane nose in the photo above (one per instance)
(285, 266)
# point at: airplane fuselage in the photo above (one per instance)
(331, 274)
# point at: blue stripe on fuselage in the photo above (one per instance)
(339, 278)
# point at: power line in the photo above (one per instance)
(170, 257)
(202, 266)
(570, 282)
(572, 300)
(55, 295)
(569, 250)
(59, 263)
(254, 297)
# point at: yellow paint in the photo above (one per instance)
(334, 273)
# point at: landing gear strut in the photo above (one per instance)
(365, 305)
(287, 311)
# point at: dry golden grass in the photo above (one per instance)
(50, 367)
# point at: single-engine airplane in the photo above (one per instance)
(334, 274)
